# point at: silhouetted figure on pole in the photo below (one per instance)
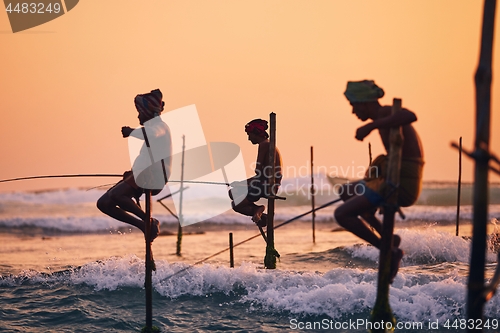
(118, 201)
(361, 199)
(258, 186)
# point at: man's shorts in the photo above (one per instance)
(128, 177)
(256, 190)
(374, 197)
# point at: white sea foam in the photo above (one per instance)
(75, 210)
(87, 218)
(67, 223)
(424, 246)
(64, 197)
(337, 293)
(297, 190)
(112, 273)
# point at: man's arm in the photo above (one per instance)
(152, 132)
(386, 120)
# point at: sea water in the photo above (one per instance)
(65, 267)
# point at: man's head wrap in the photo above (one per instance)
(257, 126)
(150, 104)
(363, 91)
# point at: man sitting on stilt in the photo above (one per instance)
(118, 201)
(258, 186)
(361, 199)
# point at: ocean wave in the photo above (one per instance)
(73, 210)
(84, 218)
(424, 247)
(297, 191)
(338, 293)
(61, 196)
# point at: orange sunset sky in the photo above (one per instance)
(67, 86)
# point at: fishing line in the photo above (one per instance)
(61, 176)
(104, 175)
(255, 236)
(100, 186)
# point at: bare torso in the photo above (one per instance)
(263, 165)
(412, 147)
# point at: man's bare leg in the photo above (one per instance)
(396, 256)
(347, 216)
(245, 207)
(348, 192)
(397, 253)
(248, 208)
(377, 225)
(122, 195)
(117, 202)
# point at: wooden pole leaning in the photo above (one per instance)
(382, 312)
(459, 186)
(370, 153)
(149, 263)
(179, 228)
(482, 156)
(231, 250)
(270, 258)
(313, 216)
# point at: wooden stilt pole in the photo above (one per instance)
(231, 253)
(312, 198)
(459, 183)
(270, 258)
(179, 228)
(382, 310)
(149, 263)
(483, 78)
(369, 165)
(370, 153)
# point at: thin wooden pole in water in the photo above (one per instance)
(149, 263)
(231, 252)
(370, 152)
(253, 237)
(483, 78)
(270, 258)
(382, 310)
(459, 183)
(179, 228)
(369, 165)
(312, 197)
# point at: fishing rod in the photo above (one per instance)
(121, 175)
(255, 236)
(104, 175)
(100, 186)
(61, 176)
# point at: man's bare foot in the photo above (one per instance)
(153, 264)
(258, 213)
(396, 240)
(155, 229)
(263, 221)
(397, 255)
